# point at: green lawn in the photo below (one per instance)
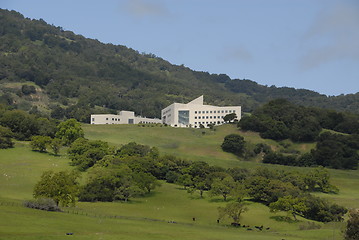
(148, 217)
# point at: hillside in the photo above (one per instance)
(168, 211)
(44, 68)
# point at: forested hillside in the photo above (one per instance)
(45, 68)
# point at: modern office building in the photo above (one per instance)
(195, 113)
(124, 117)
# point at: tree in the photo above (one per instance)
(230, 117)
(22, 124)
(56, 145)
(28, 89)
(69, 131)
(111, 183)
(146, 181)
(352, 228)
(233, 143)
(185, 180)
(222, 187)
(292, 205)
(319, 179)
(85, 153)
(5, 138)
(232, 210)
(61, 186)
(239, 191)
(201, 184)
(39, 143)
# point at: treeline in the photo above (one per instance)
(21, 125)
(134, 170)
(43, 132)
(280, 119)
(332, 150)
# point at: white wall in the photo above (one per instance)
(198, 113)
(124, 117)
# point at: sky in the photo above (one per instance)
(310, 44)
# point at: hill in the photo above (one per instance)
(56, 72)
(168, 211)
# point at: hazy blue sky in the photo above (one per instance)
(311, 44)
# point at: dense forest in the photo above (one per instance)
(44, 68)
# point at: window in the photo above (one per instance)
(214, 116)
(226, 111)
(195, 117)
(234, 111)
(207, 117)
(106, 118)
(206, 111)
(214, 111)
(112, 119)
(230, 111)
(210, 117)
(202, 111)
(195, 112)
(183, 117)
(93, 119)
(222, 111)
(210, 112)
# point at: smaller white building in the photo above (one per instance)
(124, 117)
(195, 113)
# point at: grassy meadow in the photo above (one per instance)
(168, 212)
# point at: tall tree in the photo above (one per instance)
(62, 187)
(232, 210)
(292, 205)
(69, 131)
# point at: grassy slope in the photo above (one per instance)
(21, 168)
(191, 144)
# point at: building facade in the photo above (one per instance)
(195, 113)
(124, 117)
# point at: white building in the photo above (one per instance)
(124, 117)
(195, 113)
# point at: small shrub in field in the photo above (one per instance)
(46, 204)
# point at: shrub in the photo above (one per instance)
(233, 143)
(47, 204)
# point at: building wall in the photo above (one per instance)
(124, 117)
(197, 113)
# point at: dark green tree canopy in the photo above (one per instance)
(233, 143)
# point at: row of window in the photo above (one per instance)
(113, 119)
(215, 111)
(219, 122)
(208, 117)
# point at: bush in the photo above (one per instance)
(233, 143)
(28, 89)
(47, 204)
(352, 229)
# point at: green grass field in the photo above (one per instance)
(148, 217)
